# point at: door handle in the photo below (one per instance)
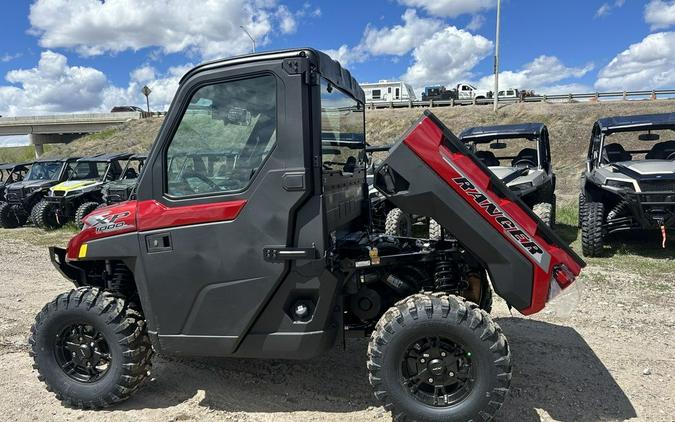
(282, 253)
(160, 242)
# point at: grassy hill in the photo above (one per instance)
(569, 126)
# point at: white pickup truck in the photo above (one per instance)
(470, 92)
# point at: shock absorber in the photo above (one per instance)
(618, 210)
(443, 274)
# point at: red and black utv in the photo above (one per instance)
(274, 257)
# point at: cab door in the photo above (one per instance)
(228, 170)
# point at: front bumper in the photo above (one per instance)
(647, 210)
(67, 270)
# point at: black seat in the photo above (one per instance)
(661, 151)
(130, 173)
(614, 153)
(526, 157)
(488, 158)
(350, 165)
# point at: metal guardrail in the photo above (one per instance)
(593, 96)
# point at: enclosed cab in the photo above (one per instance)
(80, 193)
(629, 182)
(275, 257)
(22, 198)
(520, 155)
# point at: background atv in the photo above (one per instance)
(80, 193)
(11, 173)
(272, 255)
(21, 198)
(527, 171)
(629, 182)
(121, 190)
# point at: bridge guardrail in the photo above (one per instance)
(622, 95)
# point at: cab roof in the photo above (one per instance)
(12, 166)
(484, 134)
(56, 159)
(328, 68)
(636, 123)
(106, 158)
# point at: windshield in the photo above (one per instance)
(626, 146)
(508, 153)
(86, 170)
(342, 130)
(45, 171)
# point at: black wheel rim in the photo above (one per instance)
(82, 353)
(437, 371)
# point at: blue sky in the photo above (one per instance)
(61, 56)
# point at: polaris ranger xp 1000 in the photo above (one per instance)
(275, 258)
(629, 182)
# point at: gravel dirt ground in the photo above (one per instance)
(612, 360)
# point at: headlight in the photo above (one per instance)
(74, 192)
(522, 186)
(620, 184)
(34, 189)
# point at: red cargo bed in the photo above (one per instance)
(430, 172)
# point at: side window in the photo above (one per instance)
(225, 135)
(377, 94)
(343, 135)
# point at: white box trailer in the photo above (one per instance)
(385, 90)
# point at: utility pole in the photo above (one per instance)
(496, 91)
(249, 35)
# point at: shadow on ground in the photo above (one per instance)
(554, 370)
(643, 243)
(567, 232)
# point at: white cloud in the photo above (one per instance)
(606, 8)
(645, 65)
(543, 75)
(52, 87)
(399, 39)
(345, 55)
(396, 40)
(447, 57)
(287, 21)
(660, 14)
(163, 86)
(210, 29)
(5, 58)
(476, 23)
(451, 8)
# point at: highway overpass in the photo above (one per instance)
(61, 128)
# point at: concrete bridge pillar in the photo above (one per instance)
(39, 140)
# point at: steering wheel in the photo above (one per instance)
(526, 162)
(671, 156)
(187, 175)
